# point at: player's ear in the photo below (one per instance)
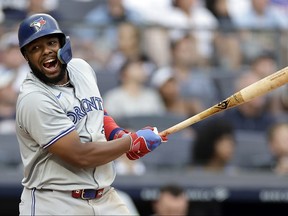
(25, 55)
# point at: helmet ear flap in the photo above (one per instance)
(65, 53)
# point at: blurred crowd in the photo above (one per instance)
(170, 57)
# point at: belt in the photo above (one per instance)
(86, 194)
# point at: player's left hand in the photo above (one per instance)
(155, 130)
(125, 132)
(144, 141)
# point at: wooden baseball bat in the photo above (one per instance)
(246, 94)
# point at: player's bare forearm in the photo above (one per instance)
(91, 154)
(104, 152)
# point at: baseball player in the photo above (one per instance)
(67, 140)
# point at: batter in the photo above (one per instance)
(67, 140)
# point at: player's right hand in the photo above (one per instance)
(143, 142)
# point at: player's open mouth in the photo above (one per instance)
(50, 64)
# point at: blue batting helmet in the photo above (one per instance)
(36, 26)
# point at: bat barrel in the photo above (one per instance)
(248, 93)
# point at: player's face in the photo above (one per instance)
(42, 58)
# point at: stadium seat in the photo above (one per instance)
(175, 154)
(106, 81)
(9, 150)
(162, 122)
(82, 7)
(252, 150)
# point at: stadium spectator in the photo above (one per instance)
(193, 16)
(220, 10)
(279, 103)
(257, 26)
(214, 145)
(44, 6)
(252, 115)
(132, 97)
(227, 51)
(278, 144)
(264, 64)
(18, 10)
(164, 81)
(189, 15)
(102, 21)
(171, 200)
(13, 10)
(13, 71)
(152, 12)
(155, 35)
(194, 81)
(112, 12)
(281, 5)
(237, 7)
(261, 15)
(129, 48)
(1, 14)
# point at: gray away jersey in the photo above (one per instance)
(47, 113)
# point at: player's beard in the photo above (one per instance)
(41, 76)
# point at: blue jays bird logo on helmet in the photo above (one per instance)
(38, 24)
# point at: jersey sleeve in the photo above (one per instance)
(43, 118)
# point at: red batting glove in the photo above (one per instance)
(143, 142)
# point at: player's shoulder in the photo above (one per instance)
(78, 62)
(36, 94)
(34, 100)
(33, 91)
(81, 67)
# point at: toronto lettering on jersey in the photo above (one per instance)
(86, 105)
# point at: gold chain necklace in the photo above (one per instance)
(64, 85)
